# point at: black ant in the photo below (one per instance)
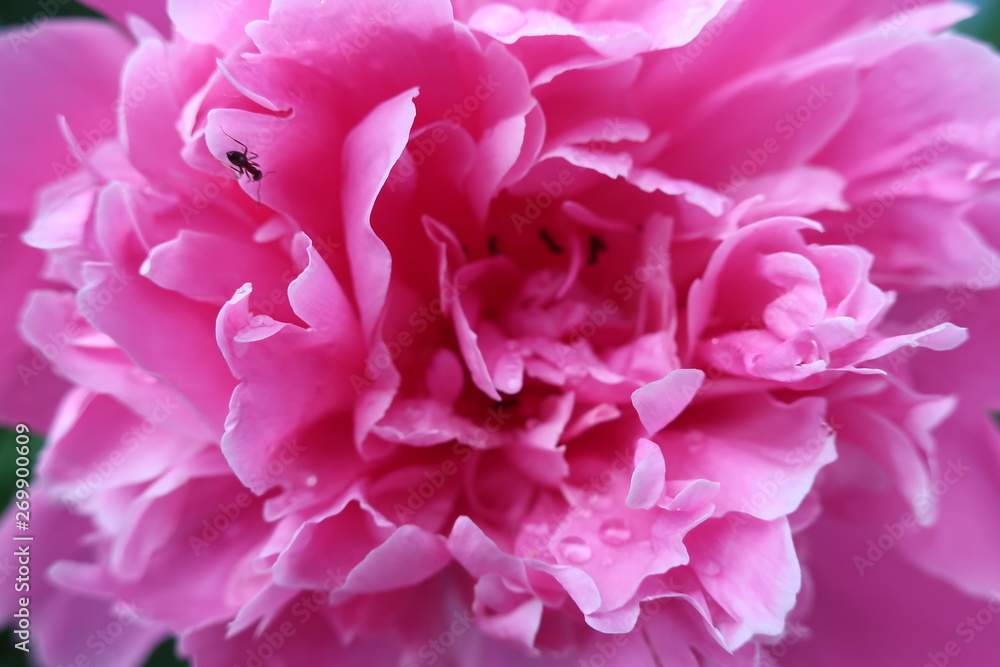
(243, 163)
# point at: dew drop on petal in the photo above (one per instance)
(695, 440)
(575, 550)
(615, 533)
(311, 480)
(710, 568)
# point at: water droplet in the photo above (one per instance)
(311, 480)
(412, 412)
(695, 440)
(575, 550)
(715, 341)
(710, 568)
(615, 533)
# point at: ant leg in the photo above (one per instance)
(236, 170)
(245, 147)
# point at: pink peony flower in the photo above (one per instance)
(384, 332)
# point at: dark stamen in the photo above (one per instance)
(491, 245)
(550, 242)
(506, 401)
(596, 247)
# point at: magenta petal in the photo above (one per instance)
(671, 323)
(968, 498)
(295, 395)
(203, 25)
(63, 621)
(407, 557)
(765, 455)
(82, 87)
(751, 571)
(931, 614)
(370, 151)
(118, 10)
(659, 402)
(648, 478)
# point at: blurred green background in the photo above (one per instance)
(986, 26)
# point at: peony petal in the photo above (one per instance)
(659, 403)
